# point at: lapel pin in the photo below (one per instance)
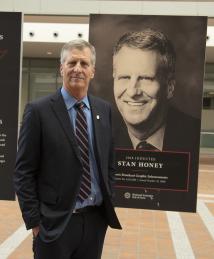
(98, 117)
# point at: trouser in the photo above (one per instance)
(82, 238)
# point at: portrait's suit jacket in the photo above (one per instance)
(48, 166)
(182, 134)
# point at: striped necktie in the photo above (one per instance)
(82, 140)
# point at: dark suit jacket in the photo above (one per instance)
(182, 133)
(48, 166)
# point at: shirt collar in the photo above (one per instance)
(70, 101)
(157, 138)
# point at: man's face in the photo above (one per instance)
(77, 71)
(137, 90)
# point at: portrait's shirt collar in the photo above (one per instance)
(70, 101)
(156, 139)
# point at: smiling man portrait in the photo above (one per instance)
(144, 83)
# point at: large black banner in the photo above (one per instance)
(151, 69)
(10, 45)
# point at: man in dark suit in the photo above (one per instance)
(65, 164)
(144, 83)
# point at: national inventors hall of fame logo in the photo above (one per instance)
(127, 195)
(138, 196)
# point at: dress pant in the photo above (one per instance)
(82, 238)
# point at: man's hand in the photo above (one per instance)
(35, 231)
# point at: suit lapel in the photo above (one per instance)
(61, 113)
(98, 129)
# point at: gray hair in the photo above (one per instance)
(150, 39)
(80, 45)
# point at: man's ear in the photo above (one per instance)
(170, 88)
(61, 70)
(92, 74)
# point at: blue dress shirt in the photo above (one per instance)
(95, 197)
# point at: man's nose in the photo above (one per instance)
(133, 88)
(77, 67)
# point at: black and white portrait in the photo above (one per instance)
(151, 69)
(144, 83)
